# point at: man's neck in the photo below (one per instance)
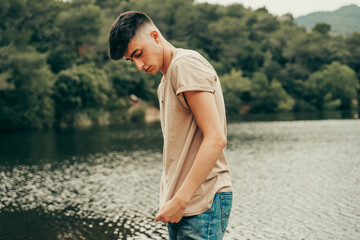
(168, 52)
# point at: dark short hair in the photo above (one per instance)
(123, 30)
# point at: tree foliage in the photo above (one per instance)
(28, 102)
(79, 88)
(54, 68)
(333, 87)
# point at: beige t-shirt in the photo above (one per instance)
(188, 71)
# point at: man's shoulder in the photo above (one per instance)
(187, 53)
(189, 57)
(189, 64)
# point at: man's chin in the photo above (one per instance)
(153, 71)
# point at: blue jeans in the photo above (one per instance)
(210, 225)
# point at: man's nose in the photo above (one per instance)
(139, 64)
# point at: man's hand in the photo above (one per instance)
(172, 211)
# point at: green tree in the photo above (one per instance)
(269, 96)
(352, 45)
(322, 28)
(80, 88)
(236, 90)
(29, 22)
(333, 87)
(27, 103)
(80, 25)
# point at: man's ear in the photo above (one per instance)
(155, 35)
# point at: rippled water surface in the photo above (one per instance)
(292, 180)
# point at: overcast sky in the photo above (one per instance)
(295, 7)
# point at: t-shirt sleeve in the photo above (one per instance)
(193, 74)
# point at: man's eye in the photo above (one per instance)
(139, 54)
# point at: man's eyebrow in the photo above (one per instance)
(132, 54)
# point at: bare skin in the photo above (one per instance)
(152, 53)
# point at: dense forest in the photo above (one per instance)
(55, 71)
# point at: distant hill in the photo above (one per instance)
(345, 20)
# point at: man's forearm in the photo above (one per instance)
(205, 160)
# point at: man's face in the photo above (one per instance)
(146, 52)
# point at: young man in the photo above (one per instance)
(196, 191)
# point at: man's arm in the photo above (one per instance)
(203, 106)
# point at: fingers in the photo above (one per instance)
(165, 217)
(165, 221)
(158, 218)
(161, 218)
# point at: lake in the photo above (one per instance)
(292, 180)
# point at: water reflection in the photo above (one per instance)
(54, 146)
(292, 180)
(295, 180)
(114, 192)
